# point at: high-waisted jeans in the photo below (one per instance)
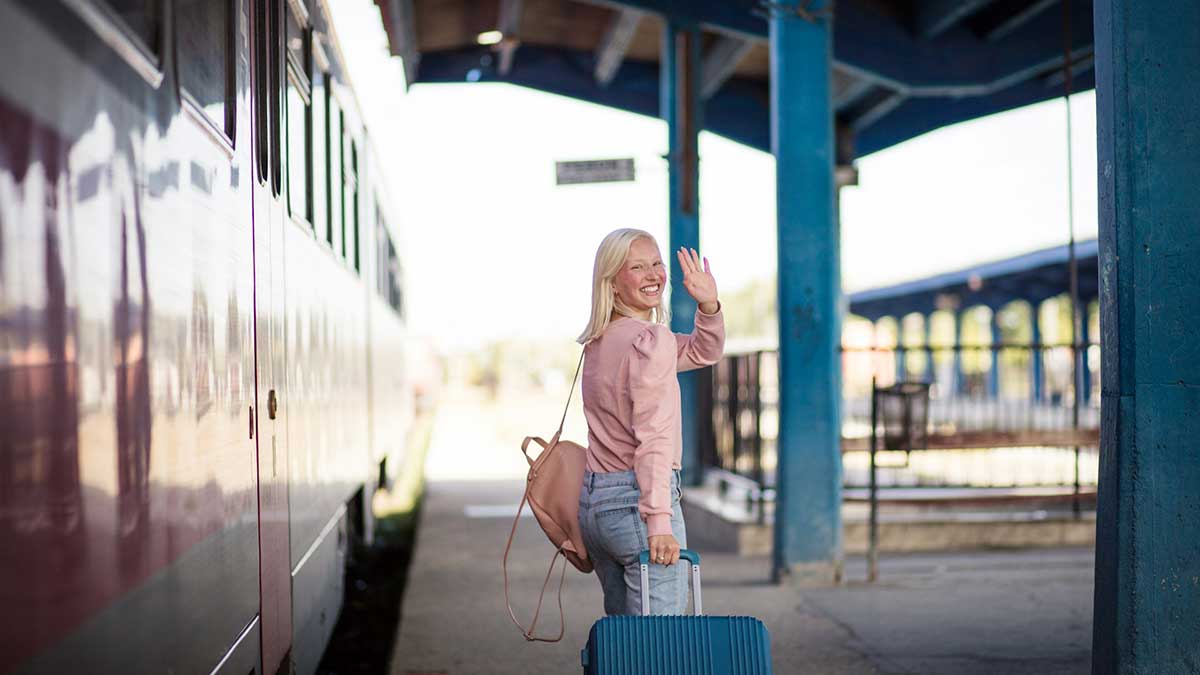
(614, 534)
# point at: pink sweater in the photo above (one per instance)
(631, 401)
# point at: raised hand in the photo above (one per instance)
(698, 279)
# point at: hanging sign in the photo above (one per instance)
(594, 171)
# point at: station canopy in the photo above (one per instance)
(1032, 277)
(900, 67)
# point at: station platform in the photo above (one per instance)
(1022, 611)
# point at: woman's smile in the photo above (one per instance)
(639, 282)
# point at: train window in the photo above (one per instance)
(381, 257)
(298, 169)
(141, 17)
(264, 123)
(357, 245)
(204, 33)
(347, 193)
(320, 150)
(335, 176)
(296, 42)
(273, 93)
(131, 28)
(395, 291)
(388, 273)
(299, 122)
(258, 29)
(350, 227)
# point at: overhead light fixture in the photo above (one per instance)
(490, 37)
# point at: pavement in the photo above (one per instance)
(1025, 611)
(1010, 612)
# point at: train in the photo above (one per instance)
(204, 356)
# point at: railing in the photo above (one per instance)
(1025, 436)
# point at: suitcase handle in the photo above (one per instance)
(685, 554)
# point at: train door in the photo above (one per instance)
(274, 544)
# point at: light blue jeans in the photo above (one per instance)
(614, 534)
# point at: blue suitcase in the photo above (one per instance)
(663, 645)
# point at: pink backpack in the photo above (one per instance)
(552, 491)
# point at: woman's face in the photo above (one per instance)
(640, 281)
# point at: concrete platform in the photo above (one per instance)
(987, 612)
(1016, 612)
(454, 618)
(994, 612)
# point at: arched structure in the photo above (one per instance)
(1031, 279)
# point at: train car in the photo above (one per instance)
(202, 375)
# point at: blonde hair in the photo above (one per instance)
(609, 258)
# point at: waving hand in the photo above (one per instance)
(698, 279)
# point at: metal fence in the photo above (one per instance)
(995, 420)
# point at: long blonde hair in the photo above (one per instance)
(609, 257)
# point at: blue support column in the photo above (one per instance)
(1036, 354)
(808, 523)
(1146, 612)
(960, 382)
(993, 381)
(901, 354)
(679, 103)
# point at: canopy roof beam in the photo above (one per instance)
(509, 25)
(615, 43)
(404, 32)
(720, 62)
(1078, 67)
(934, 17)
(853, 92)
(877, 110)
(967, 90)
(1012, 23)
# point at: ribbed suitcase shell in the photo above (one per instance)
(664, 645)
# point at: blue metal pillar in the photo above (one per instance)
(993, 381)
(1147, 617)
(901, 353)
(960, 382)
(1036, 369)
(679, 103)
(808, 523)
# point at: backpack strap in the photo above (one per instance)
(569, 394)
(529, 632)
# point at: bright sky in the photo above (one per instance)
(494, 249)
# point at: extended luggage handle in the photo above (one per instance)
(685, 554)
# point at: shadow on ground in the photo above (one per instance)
(365, 635)
(377, 574)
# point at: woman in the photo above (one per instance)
(630, 497)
